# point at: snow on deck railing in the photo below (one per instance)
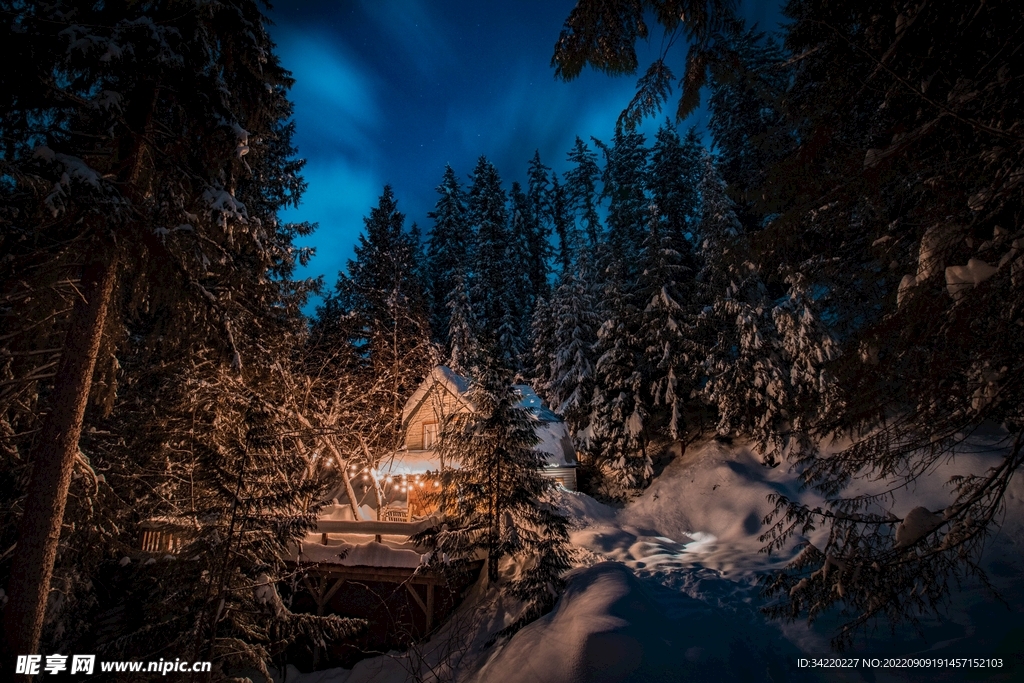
(375, 527)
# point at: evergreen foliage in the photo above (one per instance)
(581, 190)
(146, 153)
(746, 123)
(538, 190)
(489, 217)
(464, 347)
(665, 295)
(387, 314)
(624, 186)
(575, 318)
(620, 412)
(448, 249)
(899, 219)
(502, 509)
(565, 227)
(674, 176)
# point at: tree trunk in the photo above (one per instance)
(54, 458)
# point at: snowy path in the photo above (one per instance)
(695, 532)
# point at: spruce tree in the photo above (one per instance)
(448, 249)
(462, 341)
(489, 217)
(502, 508)
(625, 187)
(581, 190)
(619, 415)
(673, 178)
(153, 185)
(576, 318)
(543, 350)
(747, 123)
(565, 227)
(665, 298)
(538, 191)
(388, 313)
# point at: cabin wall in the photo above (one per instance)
(438, 404)
(566, 476)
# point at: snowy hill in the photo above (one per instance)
(668, 590)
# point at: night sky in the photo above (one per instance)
(389, 91)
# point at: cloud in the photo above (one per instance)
(343, 93)
(340, 194)
(411, 26)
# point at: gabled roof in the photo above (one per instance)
(443, 377)
(458, 385)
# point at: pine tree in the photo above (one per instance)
(576, 318)
(624, 186)
(502, 506)
(448, 248)
(746, 373)
(565, 227)
(388, 312)
(581, 190)
(619, 413)
(463, 344)
(746, 124)
(153, 185)
(491, 269)
(542, 334)
(717, 232)
(665, 298)
(747, 377)
(673, 178)
(538, 193)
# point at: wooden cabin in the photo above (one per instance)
(443, 394)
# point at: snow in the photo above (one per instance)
(265, 593)
(918, 523)
(610, 626)
(906, 285)
(371, 554)
(959, 279)
(667, 587)
(556, 444)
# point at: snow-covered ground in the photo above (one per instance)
(667, 591)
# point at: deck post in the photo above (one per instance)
(430, 605)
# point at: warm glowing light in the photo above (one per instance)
(437, 484)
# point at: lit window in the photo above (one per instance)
(429, 435)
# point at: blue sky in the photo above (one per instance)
(389, 91)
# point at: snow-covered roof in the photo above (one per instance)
(441, 376)
(532, 402)
(551, 430)
(446, 378)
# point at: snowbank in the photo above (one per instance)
(610, 626)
